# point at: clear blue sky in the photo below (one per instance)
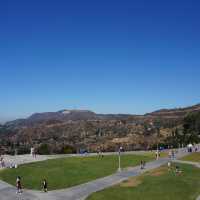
(108, 56)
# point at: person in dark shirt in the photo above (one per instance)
(44, 185)
(18, 185)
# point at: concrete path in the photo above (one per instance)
(80, 192)
(24, 159)
(196, 164)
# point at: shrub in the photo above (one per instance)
(44, 149)
(68, 149)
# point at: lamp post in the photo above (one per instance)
(119, 159)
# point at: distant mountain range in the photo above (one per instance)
(84, 129)
(176, 112)
(77, 115)
(64, 115)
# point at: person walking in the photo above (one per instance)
(170, 154)
(169, 165)
(142, 164)
(44, 185)
(173, 155)
(1, 161)
(19, 185)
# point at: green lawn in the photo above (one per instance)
(63, 173)
(152, 154)
(156, 185)
(194, 157)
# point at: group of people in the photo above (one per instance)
(19, 185)
(100, 154)
(171, 154)
(192, 148)
(9, 164)
(177, 169)
(157, 154)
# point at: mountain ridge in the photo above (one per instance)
(76, 115)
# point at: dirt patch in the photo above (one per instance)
(158, 172)
(135, 181)
(132, 182)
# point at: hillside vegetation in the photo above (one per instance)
(70, 131)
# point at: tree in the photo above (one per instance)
(191, 128)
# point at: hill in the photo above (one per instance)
(175, 113)
(63, 116)
(72, 130)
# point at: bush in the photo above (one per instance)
(44, 149)
(68, 150)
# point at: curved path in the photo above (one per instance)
(81, 192)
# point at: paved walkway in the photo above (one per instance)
(24, 159)
(196, 164)
(80, 192)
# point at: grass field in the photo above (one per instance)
(63, 173)
(156, 185)
(153, 155)
(194, 157)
